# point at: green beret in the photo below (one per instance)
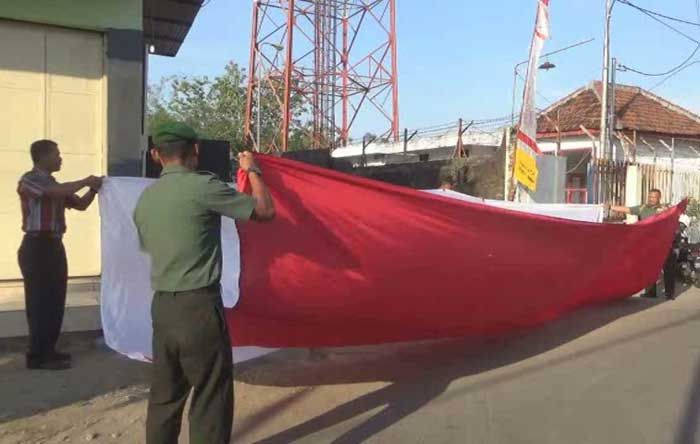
(168, 132)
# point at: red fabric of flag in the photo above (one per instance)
(352, 261)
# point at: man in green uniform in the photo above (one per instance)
(179, 225)
(652, 208)
(447, 181)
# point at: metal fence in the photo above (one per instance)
(607, 182)
(686, 184)
(674, 185)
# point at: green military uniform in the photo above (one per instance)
(179, 225)
(646, 211)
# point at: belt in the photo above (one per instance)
(43, 235)
(211, 289)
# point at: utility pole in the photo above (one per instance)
(673, 166)
(558, 148)
(612, 152)
(604, 133)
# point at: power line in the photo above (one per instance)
(437, 127)
(658, 14)
(495, 120)
(476, 125)
(538, 93)
(658, 84)
(453, 124)
(670, 71)
(655, 18)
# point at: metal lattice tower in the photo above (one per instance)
(318, 65)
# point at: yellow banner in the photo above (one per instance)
(526, 169)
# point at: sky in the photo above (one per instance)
(456, 57)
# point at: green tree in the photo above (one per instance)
(156, 105)
(215, 108)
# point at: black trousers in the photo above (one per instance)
(191, 351)
(669, 278)
(45, 272)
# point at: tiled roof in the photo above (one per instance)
(635, 109)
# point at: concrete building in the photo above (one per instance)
(421, 148)
(74, 71)
(648, 130)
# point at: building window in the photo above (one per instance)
(423, 157)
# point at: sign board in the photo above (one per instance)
(526, 169)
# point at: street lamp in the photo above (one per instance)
(545, 66)
(277, 49)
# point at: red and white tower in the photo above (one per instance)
(323, 63)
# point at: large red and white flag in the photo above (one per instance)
(527, 131)
(351, 261)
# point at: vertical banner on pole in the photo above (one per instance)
(527, 149)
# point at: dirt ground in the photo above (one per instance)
(103, 397)
(627, 372)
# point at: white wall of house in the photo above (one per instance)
(686, 152)
(572, 143)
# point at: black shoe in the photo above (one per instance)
(60, 356)
(48, 364)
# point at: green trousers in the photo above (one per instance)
(191, 352)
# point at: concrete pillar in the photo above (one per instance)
(125, 102)
(633, 190)
(508, 163)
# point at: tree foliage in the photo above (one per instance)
(215, 108)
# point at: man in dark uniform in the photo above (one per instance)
(179, 225)
(42, 258)
(652, 208)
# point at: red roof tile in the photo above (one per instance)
(635, 109)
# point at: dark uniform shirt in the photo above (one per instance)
(178, 219)
(647, 211)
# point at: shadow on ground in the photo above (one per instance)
(415, 374)
(418, 373)
(96, 371)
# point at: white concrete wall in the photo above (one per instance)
(422, 143)
(687, 153)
